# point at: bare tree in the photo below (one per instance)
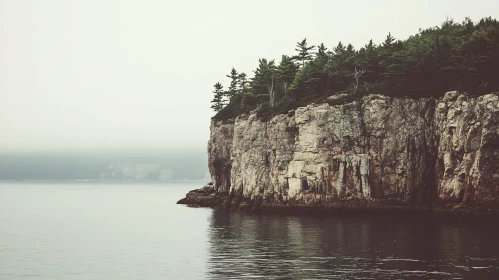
(357, 74)
(272, 89)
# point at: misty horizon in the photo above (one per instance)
(118, 75)
(124, 165)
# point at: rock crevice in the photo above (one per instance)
(407, 151)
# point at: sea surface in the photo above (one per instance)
(130, 230)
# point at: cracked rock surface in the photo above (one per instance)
(411, 151)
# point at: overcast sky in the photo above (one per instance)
(135, 74)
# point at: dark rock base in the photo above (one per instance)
(207, 197)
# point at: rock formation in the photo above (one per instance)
(373, 151)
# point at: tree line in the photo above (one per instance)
(456, 55)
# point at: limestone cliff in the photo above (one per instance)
(375, 150)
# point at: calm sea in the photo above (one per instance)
(95, 230)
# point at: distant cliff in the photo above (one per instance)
(375, 151)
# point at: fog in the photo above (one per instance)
(123, 74)
(140, 165)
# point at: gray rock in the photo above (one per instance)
(412, 150)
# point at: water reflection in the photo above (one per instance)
(244, 246)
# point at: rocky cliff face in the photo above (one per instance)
(377, 149)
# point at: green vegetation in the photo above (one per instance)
(455, 56)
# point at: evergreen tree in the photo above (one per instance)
(389, 40)
(242, 82)
(217, 103)
(263, 76)
(312, 79)
(321, 49)
(341, 67)
(303, 50)
(368, 60)
(339, 49)
(394, 60)
(319, 73)
(286, 72)
(233, 87)
(462, 56)
(387, 50)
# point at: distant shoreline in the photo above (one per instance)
(104, 181)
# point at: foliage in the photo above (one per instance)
(263, 76)
(286, 72)
(304, 53)
(462, 56)
(234, 84)
(217, 103)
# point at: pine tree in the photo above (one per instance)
(318, 76)
(263, 76)
(234, 79)
(321, 49)
(286, 72)
(391, 58)
(339, 49)
(340, 67)
(312, 79)
(304, 53)
(389, 40)
(217, 103)
(451, 56)
(242, 82)
(369, 61)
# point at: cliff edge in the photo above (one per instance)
(376, 152)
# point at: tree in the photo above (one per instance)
(234, 81)
(339, 49)
(217, 103)
(299, 85)
(339, 67)
(368, 59)
(321, 49)
(271, 90)
(456, 55)
(312, 79)
(304, 53)
(286, 72)
(356, 75)
(387, 50)
(242, 82)
(263, 76)
(389, 40)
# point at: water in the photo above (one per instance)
(89, 230)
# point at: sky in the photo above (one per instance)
(129, 74)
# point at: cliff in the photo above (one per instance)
(373, 152)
